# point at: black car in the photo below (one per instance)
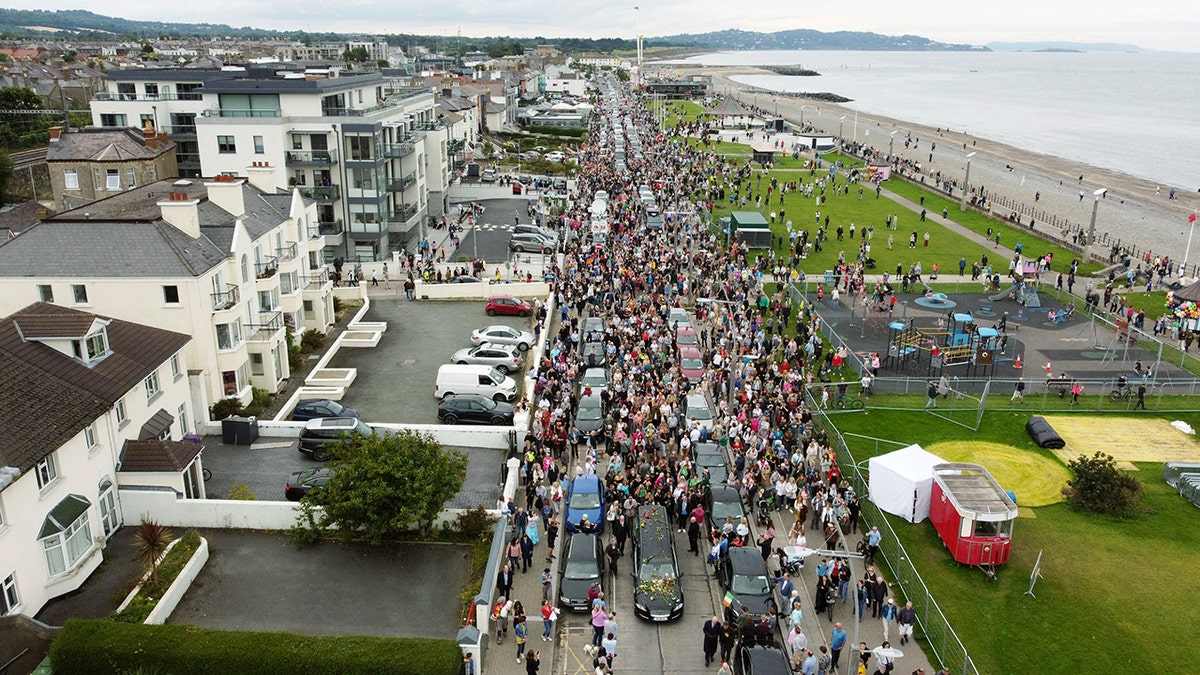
(724, 502)
(313, 408)
(464, 279)
(744, 575)
(594, 355)
(304, 481)
(709, 456)
(476, 409)
(761, 660)
(583, 566)
(589, 417)
(657, 592)
(320, 432)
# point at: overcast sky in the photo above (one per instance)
(1166, 24)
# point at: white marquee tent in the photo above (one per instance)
(901, 482)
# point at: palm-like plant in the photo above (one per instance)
(151, 541)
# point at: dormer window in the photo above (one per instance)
(93, 348)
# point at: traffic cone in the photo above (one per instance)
(1017, 364)
(1047, 369)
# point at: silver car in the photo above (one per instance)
(595, 378)
(503, 358)
(503, 335)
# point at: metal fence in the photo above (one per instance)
(906, 582)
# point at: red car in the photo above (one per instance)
(691, 363)
(686, 337)
(507, 304)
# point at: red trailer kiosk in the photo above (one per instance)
(973, 516)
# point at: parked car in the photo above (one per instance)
(677, 317)
(698, 411)
(743, 574)
(525, 228)
(507, 305)
(589, 417)
(464, 279)
(691, 363)
(529, 243)
(585, 497)
(724, 501)
(686, 337)
(313, 408)
(595, 379)
(555, 156)
(583, 565)
(560, 183)
(320, 432)
(474, 409)
(761, 660)
(503, 335)
(502, 357)
(488, 175)
(301, 482)
(657, 592)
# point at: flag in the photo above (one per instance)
(1192, 218)
(728, 600)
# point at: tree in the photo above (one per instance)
(356, 55)
(383, 485)
(20, 129)
(150, 542)
(6, 174)
(1101, 487)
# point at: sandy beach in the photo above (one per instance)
(1134, 211)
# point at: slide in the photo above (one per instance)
(1005, 293)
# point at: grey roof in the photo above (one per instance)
(21, 217)
(291, 85)
(168, 74)
(99, 144)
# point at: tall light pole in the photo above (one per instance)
(1095, 206)
(841, 120)
(892, 144)
(802, 109)
(966, 184)
(1187, 251)
(637, 17)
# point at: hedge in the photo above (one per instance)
(102, 647)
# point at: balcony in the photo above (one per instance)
(129, 96)
(326, 194)
(311, 157)
(266, 268)
(240, 112)
(403, 183)
(403, 215)
(330, 232)
(269, 324)
(433, 125)
(225, 300)
(287, 253)
(316, 282)
(179, 130)
(402, 148)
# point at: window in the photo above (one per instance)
(226, 145)
(45, 293)
(287, 283)
(361, 147)
(120, 408)
(297, 143)
(66, 534)
(127, 91)
(89, 435)
(47, 471)
(152, 388)
(176, 371)
(112, 179)
(258, 145)
(256, 364)
(183, 420)
(267, 301)
(112, 120)
(97, 346)
(151, 90)
(70, 179)
(229, 335)
(130, 177)
(8, 595)
(229, 381)
(80, 293)
(171, 295)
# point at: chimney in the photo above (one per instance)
(42, 214)
(226, 192)
(263, 177)
(55, 132)
(181, 212)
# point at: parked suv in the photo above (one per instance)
(320, 432)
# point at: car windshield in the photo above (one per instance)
(595, 380)
(693, 364)
(657, 569)
(702, 413)
(487, 403)
(750, 585)
(591, 412)
(686, 339)
(362, 428)
(581, 569)
(496, 377)
(336, 408)
(585, 501)
(723, 510)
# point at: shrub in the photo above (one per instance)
(1099, 486)
(154, 587)
(261, 399)
(99, 647)
(241, 492)
(474, 524)
(311, 341)
(226, 407)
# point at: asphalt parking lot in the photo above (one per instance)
(489, 239)
(258, 581)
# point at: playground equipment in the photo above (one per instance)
(961, 342)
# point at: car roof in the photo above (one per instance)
(332, 422)
(686, 330)
(689, 352)
(768, 660)
(586, 481)
(746, 560)
(728, 492)
(582, 546)
(698, 399)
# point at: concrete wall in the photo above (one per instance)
(482, 291)
(170, 600)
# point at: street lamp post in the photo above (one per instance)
(841, 121)
(802, 109)
(966, 184)
(892, 144)
(1187, 251)
(1095, 206)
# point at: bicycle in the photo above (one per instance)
(206, 474)
(1119, 394)
(851, 403)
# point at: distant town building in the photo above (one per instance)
(96, 162)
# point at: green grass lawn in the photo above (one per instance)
(1103, 604)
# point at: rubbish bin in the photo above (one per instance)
(239, 430)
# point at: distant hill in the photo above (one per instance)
(1062, 47)
(78, 22)
(812, 39)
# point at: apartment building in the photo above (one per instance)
(232, 262)
(90, 403)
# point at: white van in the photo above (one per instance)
(468, 379)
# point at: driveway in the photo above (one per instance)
(259, 582)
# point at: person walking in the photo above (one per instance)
(1076, 390)
(613, 553)
(693, 533)
(1141, 397)
(837, 641)
(1018, 392)
(500, 614)
(727, 639)
(906, 617)
(887, 615)
(932, 394)
(599, 616)
(547, 586)
(521, 631)
(712, 637)
(504, 581)
(551, 535)
(387, 284)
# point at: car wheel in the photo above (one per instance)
(499, 421)
(319, 454)
(524, 346)
(491, 312)
(519, 249)
(522, 314)
(450, 419)
(500, 398)
(503, 369)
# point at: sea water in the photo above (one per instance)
(1137, 113)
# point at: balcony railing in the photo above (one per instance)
(129, 96)
(325, 193)
(403, 183)
(240, 112)
(402, 148)
(268, 324)
(225, 300)
(266, 268)
(187, 158)
(311, 157)
(403, 214)
(325, 229)
(315, 279)
(287, 253)
(433, 125)
(178, 130)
